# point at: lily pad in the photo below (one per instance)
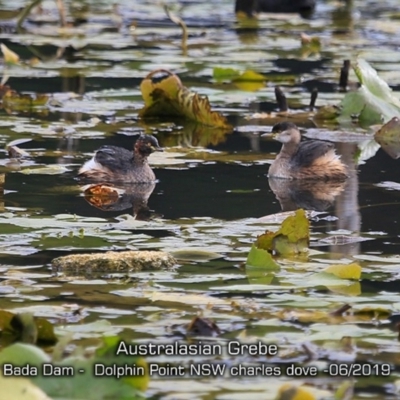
(374, 101)
(26, 328)
(260, 258)
(291, 238)
(349, 271)
(388, 136)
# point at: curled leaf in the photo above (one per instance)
(292, 237)
(388, 136)
(165, 96)
(374, 101)
(9, 56)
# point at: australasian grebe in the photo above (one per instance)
(304, 160)
(116, 164)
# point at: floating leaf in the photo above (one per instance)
(349, 271)
(260, 258)
(164, 95)
(107, 354)
(345, 391)
(14, 101)
(54, 169)
(250, 76)
(389, 131)
(373, 101)
(114, 261)
(292, 392)
(78, 379)
(388, 136)
(265, 241)
(9, 56)
(309, 45)
(293, 236)
(195, 254)
(20, 388)
(257, 276)
(230, 74)
(248, 80)
(354, 289)
(296, 227)
(26, 328)
(225, 74)
(21, 354)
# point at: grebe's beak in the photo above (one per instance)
(268, 134)
(157, 148)
(271, 135)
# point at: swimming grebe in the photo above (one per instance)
(304, 160)
(116, 164)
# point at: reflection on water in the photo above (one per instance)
(347, 206)
(310, 195)
(322, 195)
(121, 197)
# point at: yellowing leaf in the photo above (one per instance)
(349, 271)
(286, 247)
(23, 102)
(54, 169)
(388, 136)
(250, 76)
(165, 96)
(296, 227)
(348, 290)
(345, 391)
(291, 392)
(389, 131)
(107, 355)
(157, 82)
(20, 388)
(9, 56)
(307, 39)
(265, 241)
(291, 239)
(225, 74)
(25, 328)
(249, 86)
(293, 236)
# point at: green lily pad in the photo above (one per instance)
(261, 258)
(374, 101)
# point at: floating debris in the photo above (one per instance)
(113, 261)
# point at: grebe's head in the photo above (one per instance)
(286, 132)
(146, 144)
(283, 126)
